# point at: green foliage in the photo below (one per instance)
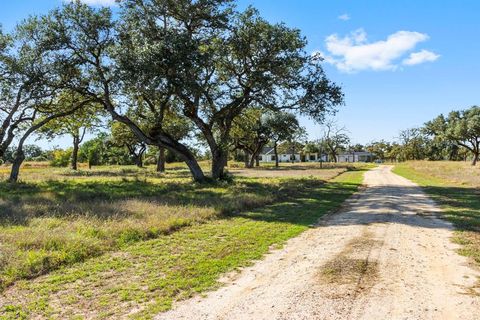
(101, 151)
(294, 142)
(86, 119)
(32, 153)
(60, 157)
(414, 144)
(356, 147)
(380, 149)
(283, 126)
(250, 132)
(460, 127)
(311, 147)
(123, 137)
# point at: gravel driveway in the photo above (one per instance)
(384, 256)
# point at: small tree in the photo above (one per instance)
(87, 119)
(122, 136)
(61, 157)
(283, 126)
(294, 143)
(93, 151)
(30, 86)
(250, 133)
(27, 81)
(335, 139)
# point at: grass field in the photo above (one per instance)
(455, 186)
(121, 241)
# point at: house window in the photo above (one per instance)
(292, 157)
(273, 158)
(312, 157)
(260, 158)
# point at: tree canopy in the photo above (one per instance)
(460, 127)
(202, 60)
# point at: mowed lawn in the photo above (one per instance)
(126, 242)
(456, 187)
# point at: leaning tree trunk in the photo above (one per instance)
(194, 167)
(475, 158)
(76, 146)
(161, 160)
(20, 155)
(255, 159)
(17, 162)
(163, 140)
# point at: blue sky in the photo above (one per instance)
(368, 47)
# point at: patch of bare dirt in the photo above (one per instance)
(352, 270)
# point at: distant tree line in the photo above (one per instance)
(455, 137)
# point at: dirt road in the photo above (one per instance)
(385, 256)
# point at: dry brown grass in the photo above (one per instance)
(455, 172)
(325, 174)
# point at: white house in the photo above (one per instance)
(268, 155)
(356, 156)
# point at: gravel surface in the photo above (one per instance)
(385, 255)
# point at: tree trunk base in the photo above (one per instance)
(161, 160)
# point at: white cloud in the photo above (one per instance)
(420, 57)
(354, 53)
(344, 17)
(105, 3)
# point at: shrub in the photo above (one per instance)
(61, 158)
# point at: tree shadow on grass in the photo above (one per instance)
(103, 199)
(177, 172)
(461, 205)
(306, 206)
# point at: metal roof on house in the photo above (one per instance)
(267, 150)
